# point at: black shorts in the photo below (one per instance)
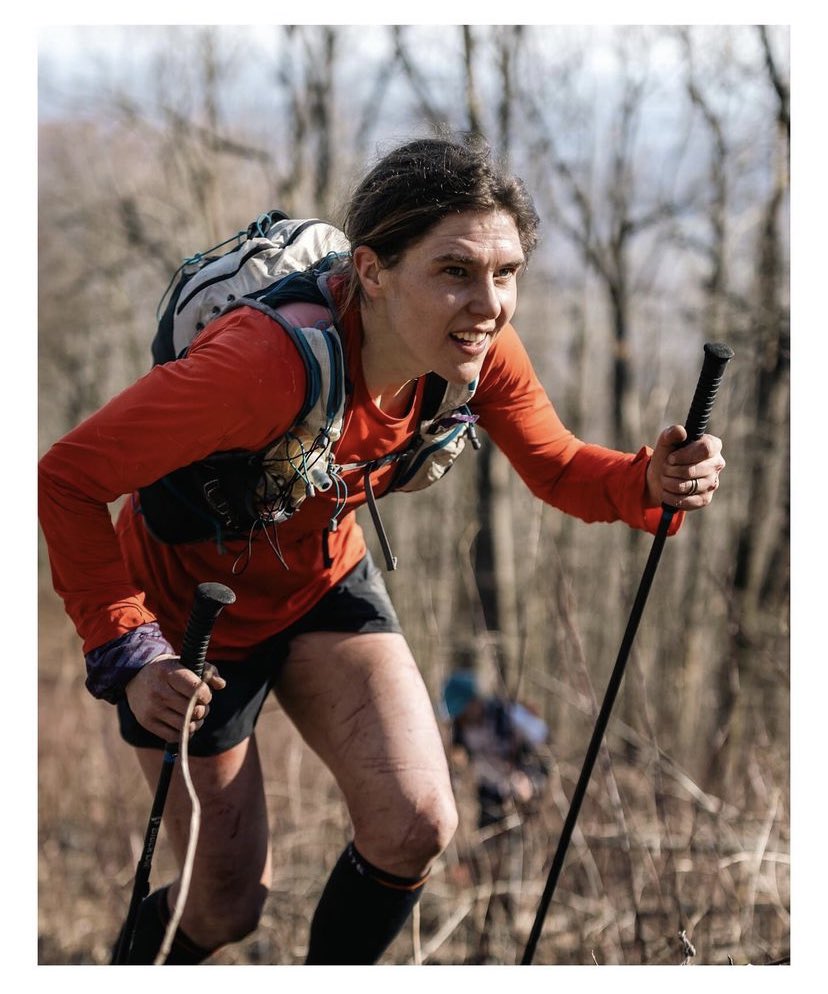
(359, 603)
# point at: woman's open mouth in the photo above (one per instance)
(470, 342)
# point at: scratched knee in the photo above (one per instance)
(408, 840)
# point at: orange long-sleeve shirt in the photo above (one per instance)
(241, 386)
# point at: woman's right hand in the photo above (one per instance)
(160, 693)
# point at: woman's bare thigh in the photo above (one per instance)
(359, 701)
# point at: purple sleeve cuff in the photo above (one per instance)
(110, 667)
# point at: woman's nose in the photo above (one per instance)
(486, 299)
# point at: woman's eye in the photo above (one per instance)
(501, 275)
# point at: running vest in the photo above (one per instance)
(232, 495)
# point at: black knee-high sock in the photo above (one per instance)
(150, 927)
(361, 910)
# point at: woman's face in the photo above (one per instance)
(441, 306)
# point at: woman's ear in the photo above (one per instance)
(367, 266)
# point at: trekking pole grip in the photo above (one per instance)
(716, 357)
(210, 598)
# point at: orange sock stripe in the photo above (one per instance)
(379, 876)
(407, 887)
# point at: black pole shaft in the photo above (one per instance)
(140, 888)
(210, 598)
(716, 358)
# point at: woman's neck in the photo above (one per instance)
(389, 384)
(394, 400)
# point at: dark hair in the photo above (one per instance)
(415, 186)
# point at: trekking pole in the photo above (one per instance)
(210, 598)
(716, 358)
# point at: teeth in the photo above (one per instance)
(474, 337)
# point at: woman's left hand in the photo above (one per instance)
(684, 478)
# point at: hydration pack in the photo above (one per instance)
(232, 495)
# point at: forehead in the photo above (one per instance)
(476, 235)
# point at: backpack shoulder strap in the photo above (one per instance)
(454, 398)
(322, 352)
(434, 393)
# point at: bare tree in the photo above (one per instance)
(421, 86)
(761, 575)
(495, 546)
(603, 210)
(306, 71)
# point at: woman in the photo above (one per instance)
(439, 237)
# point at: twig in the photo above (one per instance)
(415, 936)
(195, 823)
(758, 858)
(687, 948)
(709, 802)
(582, 847)
(449, 926)
(506, 824)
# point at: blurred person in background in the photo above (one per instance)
(498, 740)
(499, 744)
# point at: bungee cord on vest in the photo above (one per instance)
(291, 472)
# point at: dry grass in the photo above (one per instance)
(653, 856)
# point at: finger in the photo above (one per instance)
(175, 721)
(705, 471)
(197, 717)
(166, 725)
(185, 683)
(694, 494)
(679, 479)
(199, 713)
(704, 449)
(691, 486)
(676, 487)
(170, 702)
(672, 436)
(213, 678)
